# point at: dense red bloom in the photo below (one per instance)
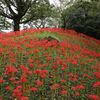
(37, 71)
(1, 79)
(23, 79)
(38, 82)
(43, 75)
(24, 98)
(96, 84)
(44, 71)
(63, 92)
(93, 97)
(78, 87)
(87, 76)
(74, 62)
(8, 88)
(10, 69)
(34, 89)
(17, 93)
(55, 86)
(97, 74)
(63, 67)
(25, 69)
(62, 81)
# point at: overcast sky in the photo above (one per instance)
(54, 2)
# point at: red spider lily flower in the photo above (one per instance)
(87, 76)
(10, 69)
(19, 87)
(55, 86)
(43, 75)
(30, 60)
(12, 79)
(97, 74)
(23, 79)
(25, 69)
(36, 51)
(74, 62)
(63, 67)
(62, 81)
(37, 71)
(17, 93)
(8, 88)
(44, 71)
(49, 58)
(34, 89)
(78, 87)
(39, 83)
(24, 98)
(93, 97)
(96, 84)
(31, 65)
(63, 92)
(1, 79)
(48, 44)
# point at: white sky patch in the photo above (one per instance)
(56, 2)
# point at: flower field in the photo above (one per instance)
(34, 67)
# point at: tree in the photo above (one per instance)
(64, 4)
(4, 24)
(39, 13)
(84, 16)
(15, 10)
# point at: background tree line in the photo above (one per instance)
(80, 15)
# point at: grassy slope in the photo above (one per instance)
(71, 62)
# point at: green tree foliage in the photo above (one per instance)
(39, 14)
(83, 16)
(4, 24)
(23, 11)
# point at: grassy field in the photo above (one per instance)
(49, 64)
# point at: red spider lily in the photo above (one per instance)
(63, 67)
(24, 98)
(44, 71)
(73, 77)
(30, 60)
(97, 74)
(39, 83)
(55, 86)
(8, 88)
(49, 58)
(74, 62)
(23, 79)
(25, 69)
(43, 75)
(87, 76)
(62, 81)
(1, 79)
(78, 87)
(34, 89)
(31, 65)
(93, 97)
(37, 71)
(17, 93)
(10, 69)
(96, 84)
(63, 92)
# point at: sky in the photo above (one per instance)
(56, 2)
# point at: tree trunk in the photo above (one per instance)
(16, 24)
